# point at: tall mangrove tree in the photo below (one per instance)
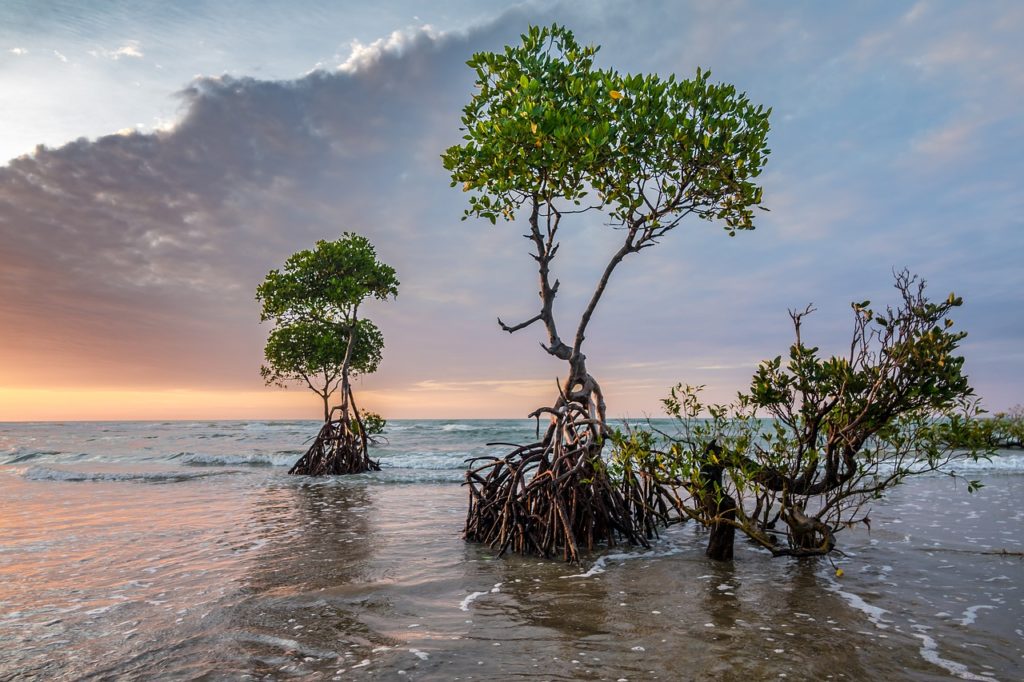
(549, 135)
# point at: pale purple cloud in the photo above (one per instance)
(131, 259)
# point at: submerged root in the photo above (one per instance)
(555, 496)
(338, 449)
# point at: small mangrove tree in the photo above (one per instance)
(816, 439)
(320, 340)
(1005, 429)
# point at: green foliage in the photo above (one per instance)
(314, 304)
(326, 283)
(633, 450)
(546, 124)
(840, 431)
(372, 424)
(305, 349)
(1005, 429)
(902, 361)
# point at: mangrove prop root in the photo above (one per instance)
(555, 497)
(339, 449)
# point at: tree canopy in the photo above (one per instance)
(318, 337)
(550, 132)
(547, 125)
(313, 352)
(326, 283)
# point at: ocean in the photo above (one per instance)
(183, 550)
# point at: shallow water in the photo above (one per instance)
(192, 554)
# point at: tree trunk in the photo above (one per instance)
(722, 534)
(346, 390)
(807, 533)
(718, 507)
(555, 495)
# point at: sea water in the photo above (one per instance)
(179, 550)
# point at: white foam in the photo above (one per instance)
(874, 613)
(930, 652)
(1003, 461)
(426, 459)
(278, 459)
(971, 613)
(286, 644)
(600, 566)
(38, 473)
(410, 476)
(470, 598)
(460, 427)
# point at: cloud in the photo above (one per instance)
(509, 386)
(363, 56)
(131, 260)
(18, 51)
(58, 55)
(946, 145)
(131, 49)
(916, 12)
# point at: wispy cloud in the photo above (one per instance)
(729, 366)
(945, 145)
(18, 51)
(501, 385)
(131, 49)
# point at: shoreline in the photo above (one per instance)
(254, 572)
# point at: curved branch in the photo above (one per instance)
(627, 247)
(521, 325)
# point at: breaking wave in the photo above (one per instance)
(284, 458)
(39, 473)
(19, 455)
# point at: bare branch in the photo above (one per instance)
(521, 325)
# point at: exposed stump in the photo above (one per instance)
(340, 448)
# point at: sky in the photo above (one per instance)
(157, 159)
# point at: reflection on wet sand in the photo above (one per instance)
(261, 574)
(300, 604)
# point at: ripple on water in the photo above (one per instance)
(238, 569)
